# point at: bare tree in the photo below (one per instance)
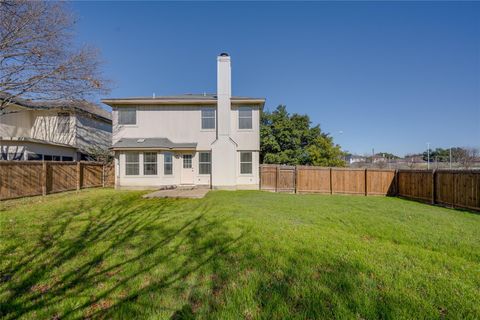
(467, 157)
(37, 57)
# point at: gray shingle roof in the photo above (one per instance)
(76, 105)
(187, 96)
(207, 98)
(152, 143)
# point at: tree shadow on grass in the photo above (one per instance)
(95, 263)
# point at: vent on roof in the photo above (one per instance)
(140, 140)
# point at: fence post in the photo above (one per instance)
(103, 175)
(45, 177)
(434, 173)
(296, 178)
(259, 177)
(366, 185)
(331, 184)
(396, 183)
(79, 175)
(277, 176)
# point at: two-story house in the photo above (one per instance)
(207, 139)
(56, 131)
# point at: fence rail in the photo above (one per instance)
(30, 178)
(455, 188)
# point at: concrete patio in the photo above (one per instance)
(179, 193)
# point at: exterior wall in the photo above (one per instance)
(177, 123)
(16, 123)
(45, 128)
(240, 181)
(183, 124)
(159, 180)
(91, 132)
(249, 181)
(247, 139)
(26, 147)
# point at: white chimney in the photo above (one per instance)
(224, 93)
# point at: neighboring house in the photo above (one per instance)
(352, 158)
(206, 139)
(58, 131)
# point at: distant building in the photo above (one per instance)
(351, 158)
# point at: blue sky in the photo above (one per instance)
(385, 75)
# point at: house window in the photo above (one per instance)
(205, 163)
(127, 116)
(245, 162)
(208, 118)
(167, 163)
(150, 163)
(132, 164)
(34, 156)
(187, 161)
(51, 158)
(64, 158)
(245, 118)
(63, 123)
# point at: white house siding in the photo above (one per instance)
(177, 123)
(143, 181)
(16, 123)
(26, 147)
(45, 128)
(247, 139)
(91, 132)
(183, 124)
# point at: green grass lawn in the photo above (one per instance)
(109, 254)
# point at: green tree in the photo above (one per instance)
(289, 139)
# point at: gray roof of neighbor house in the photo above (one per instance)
(151, 143)
(206, 98)
(76, 105)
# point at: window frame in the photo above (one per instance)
(120, 110)
(202, 117)
(246, 162)
(189, 162)
(154, 163)
(132, 162)
(200, 163)
(244, 108)
(165, 163)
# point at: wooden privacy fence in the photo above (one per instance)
(30, 178)
(309, 179)
(456, 188)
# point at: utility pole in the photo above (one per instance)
(428, 155)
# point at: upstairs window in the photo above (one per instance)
(127, 116)
(245, 118)
(205, 163)
(132, 164)
(63, 123)
(245, 163)
(208, 118)
(167, 163)
(150, 163)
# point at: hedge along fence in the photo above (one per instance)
(31, 178)
(455, 188)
